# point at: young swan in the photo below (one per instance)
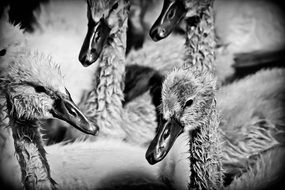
(248, 128)
(189, 106)
(32, 89)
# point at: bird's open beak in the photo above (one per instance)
(95, 39)
(170, 16)
(65, 109)
(163, 141)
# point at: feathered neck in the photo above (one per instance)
(200, 39)
(205, 146)
(110, 85)
(205, 154)
(31, 155)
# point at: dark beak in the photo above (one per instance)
(163, 141)
(65, 109)
(93, 44)
(170, 16)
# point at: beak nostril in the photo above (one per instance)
(171, 14)
(93, 51)
(71, 111)
(166, 134)
(161, 32)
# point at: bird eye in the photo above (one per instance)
(40, 89)
(2, 52)
(115, 6)
(189, 103)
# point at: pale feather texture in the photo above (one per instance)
(106, 164)
(102, 165)
(253, 113)
(250, 25)
(265, 172)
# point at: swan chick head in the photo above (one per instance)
(105, 19)
(187, 99)
(187, 96)
(33, 88)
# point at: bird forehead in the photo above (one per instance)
(37, 69)
(171, 104)
(182, 88)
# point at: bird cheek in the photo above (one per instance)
(47, 107)
(47, 114)
(187, 122)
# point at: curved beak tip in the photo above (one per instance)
(88, 128)
(154, 154)
(95, 130)
(158, 33)
(150, 158)
(88, 58)
(86, 63)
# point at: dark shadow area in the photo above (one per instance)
(131, 180)
(22, 12)
(251, 62)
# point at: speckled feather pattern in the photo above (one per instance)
(31, 156)
(200, 41)
(206, 154)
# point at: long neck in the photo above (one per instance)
(205, 155)
(31, 155)
(200, 39)
(110, 85)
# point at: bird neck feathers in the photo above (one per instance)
(205, 154)
(31, 155)
(200, 40)
(110, 84)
